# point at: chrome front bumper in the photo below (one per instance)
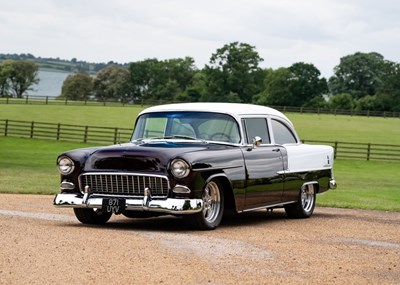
(169, 206)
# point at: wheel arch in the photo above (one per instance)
(314, 183)
(229, 199)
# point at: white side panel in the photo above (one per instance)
(306, 157)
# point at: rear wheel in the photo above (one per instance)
(92, 216)
(305, 205)
(211, 216)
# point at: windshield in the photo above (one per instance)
(187, 125)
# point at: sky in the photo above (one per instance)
(283, 32)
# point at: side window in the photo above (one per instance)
(282, 133)
(257, 127)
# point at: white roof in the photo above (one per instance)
(234, 109)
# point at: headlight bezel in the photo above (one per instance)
(65, 165)
(179, 168)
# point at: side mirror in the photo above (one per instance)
(257, 141)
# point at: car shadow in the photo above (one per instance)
(178, 224)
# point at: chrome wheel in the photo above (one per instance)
(304, 207)
(212, 202)
(307, 197)
(213, 208)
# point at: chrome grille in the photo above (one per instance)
(124, 184)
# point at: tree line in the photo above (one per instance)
(73, 65)
(361, 81)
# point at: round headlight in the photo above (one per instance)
(65, 165)
(180, 168)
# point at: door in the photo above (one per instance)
(264, 166)
(264, 184)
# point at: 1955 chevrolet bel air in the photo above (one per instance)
(198, 161)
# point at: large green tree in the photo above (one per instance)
(298, 85)
(387, 97)
(306, 85)
(359, 74)
(165, 80)
(21, 75)
(78, 86)
(234, 73)
(276, 88)
(113, 82)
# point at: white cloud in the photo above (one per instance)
(283, 32)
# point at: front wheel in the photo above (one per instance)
(304, 207)
(211, 216)
(92, 216)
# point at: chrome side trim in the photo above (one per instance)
(169, 206)
(267, 206)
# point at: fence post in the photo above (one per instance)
(7, 99)
(27, 98)
(116, 136)
(335, 149)
(47, 100)
(86, 134)
(6, 128)
(32, 128)
(58, 131)
(368, 151)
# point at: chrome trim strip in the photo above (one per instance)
(267, 206)
(169, 206)
(288, 171)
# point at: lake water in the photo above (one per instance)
(50, 83)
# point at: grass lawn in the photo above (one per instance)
(309, 126)
(28, 166)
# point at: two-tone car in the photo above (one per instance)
(197, 161)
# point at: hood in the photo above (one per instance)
(146, 157)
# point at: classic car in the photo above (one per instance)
(197, 161)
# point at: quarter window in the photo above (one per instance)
(257, 127)
(282, 134)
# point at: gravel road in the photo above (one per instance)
(41, 244)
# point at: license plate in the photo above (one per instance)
(113, 205)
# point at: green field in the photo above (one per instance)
(28, 166)
(309, 126)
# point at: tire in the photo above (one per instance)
(211, 216)
(304, 207)
(92, 216)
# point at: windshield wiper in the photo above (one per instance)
(181, 137)
(168, 138)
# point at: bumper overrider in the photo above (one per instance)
(168, 206)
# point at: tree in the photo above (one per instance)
(77, 86)
(234, 69)
(4, 80)
(360, 74)
(276, 88)
(112, 82)
(306, 86)
(21, 74)
(388, 95)
(343, 101)
(196, 91)
(144, 76)
(154, 79)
